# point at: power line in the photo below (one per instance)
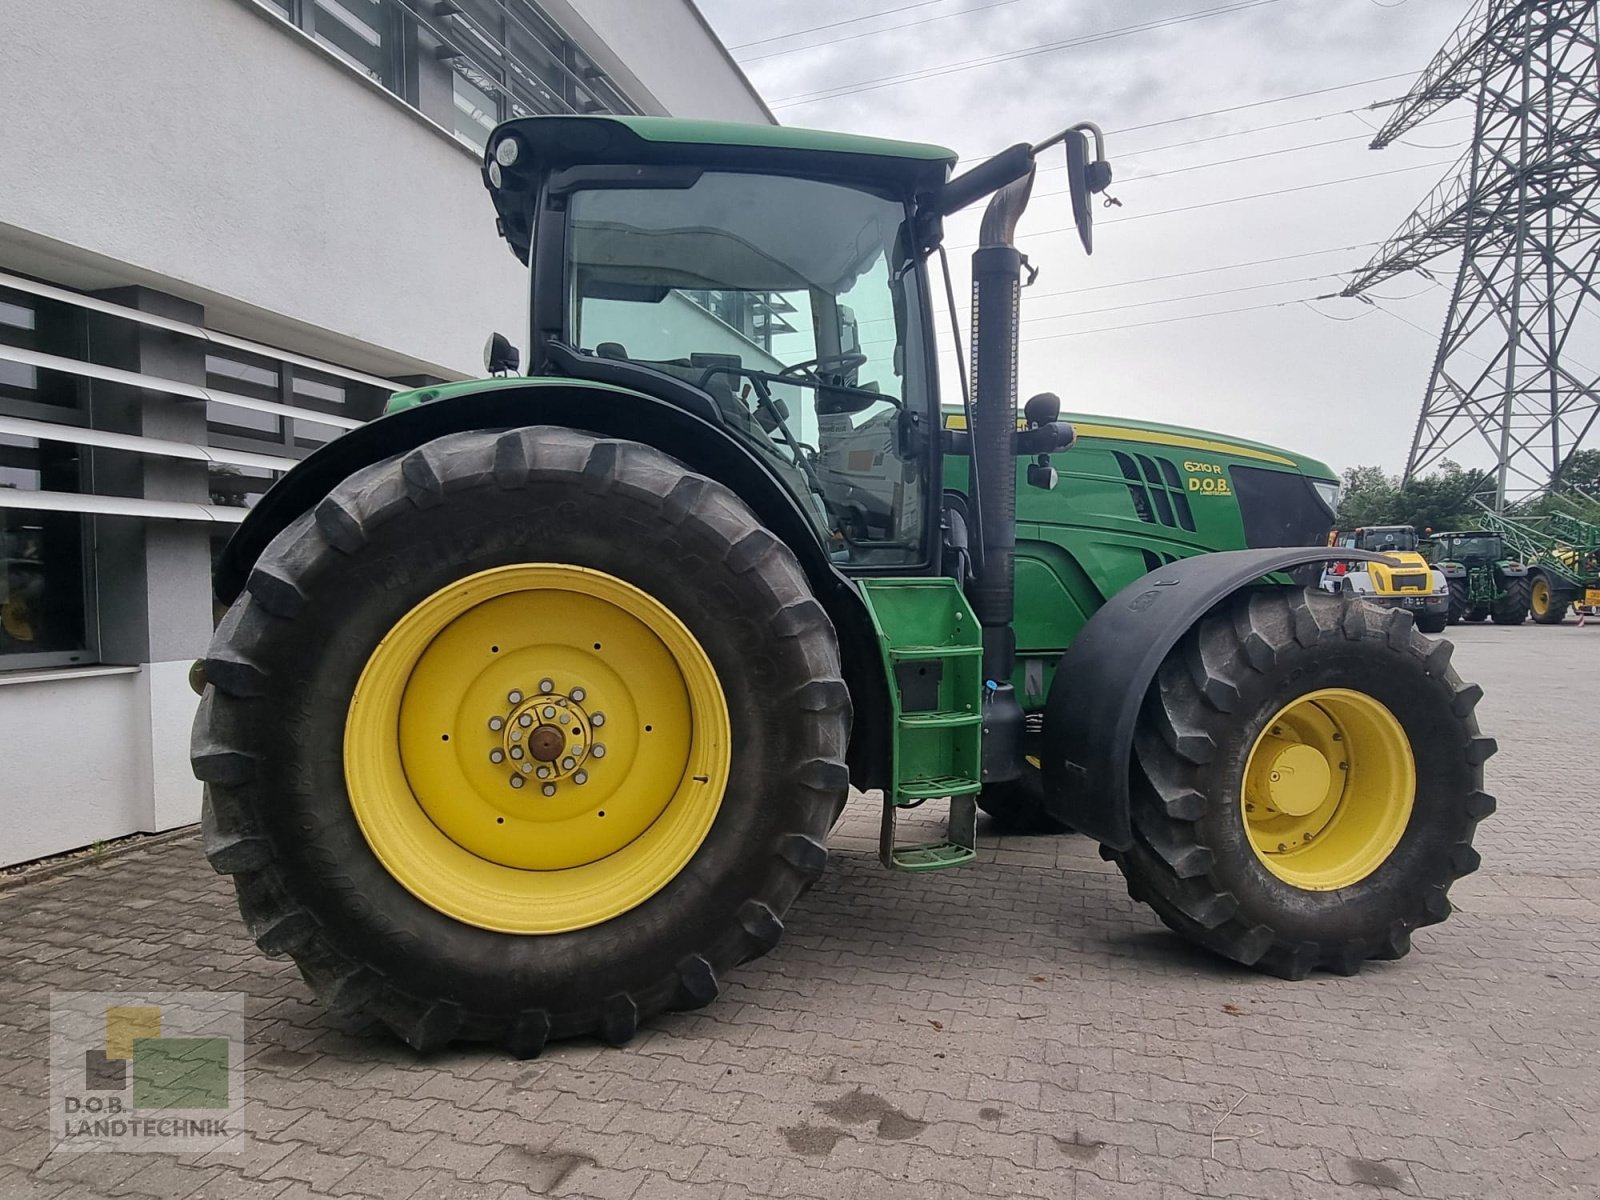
(888, 12)
(1254, 287)
(887, 81)
(1225, 312)
(1258, 262)
(866, 33)
(1218, 112)
(1090, 312)
(1165, 212)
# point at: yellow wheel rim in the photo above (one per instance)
(1539, 597)
(536, 748)
(1328, 789)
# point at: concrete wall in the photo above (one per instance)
(217, 150)
(213, 154)
(75, 760)
(218, 155)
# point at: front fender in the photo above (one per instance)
(1100, 682)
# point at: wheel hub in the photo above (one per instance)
(545, 733)
(1298, 778)
(1328, 789)
(537, 748)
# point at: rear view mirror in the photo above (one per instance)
(499, 355)
(1086, 176)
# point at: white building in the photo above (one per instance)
(228, 228)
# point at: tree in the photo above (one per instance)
(1369, 497)
(1439, 500)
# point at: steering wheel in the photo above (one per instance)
(813, 366)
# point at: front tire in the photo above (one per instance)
(375, 840)
(1280, 673)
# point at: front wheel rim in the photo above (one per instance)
(1329, 788)
(537, 748)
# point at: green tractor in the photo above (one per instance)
(536, 699)
(1139, 495)
(1485, 582)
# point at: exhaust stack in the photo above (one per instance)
(996, 301)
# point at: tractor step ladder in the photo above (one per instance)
(932, 650)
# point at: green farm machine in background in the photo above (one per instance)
(536, 699)
(1485, 580)
(1562, 554)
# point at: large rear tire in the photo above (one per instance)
(1286, 713)
(1513, 606)
(1546, 603)
(359, 739)
(1458, 602)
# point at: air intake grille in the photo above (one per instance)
(1156, 490)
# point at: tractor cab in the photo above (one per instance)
(1382, 539)
(1474, 547)
(768, 280)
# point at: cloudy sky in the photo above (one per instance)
(1334, 378)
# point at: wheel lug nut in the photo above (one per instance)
(496, 756)
(549, 789)
(568, 763)
(566, 720)
(544, 772)
(582, 777)
(515, 697)
(598, 720)
(516, 781)
(516, 752)
(578, 694)
(516, 735)
(549, 712)
(525, 720)
(598, 751)
(546, 686)
(497, 723)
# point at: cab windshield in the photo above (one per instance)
(793, 304)
(1483, 547)
(1401, 537)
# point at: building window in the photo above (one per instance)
(369, 35)
(234, 427)
(42, 574)
(506, 58)
(45, 327)
(510, 61)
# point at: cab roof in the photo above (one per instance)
(555, 143)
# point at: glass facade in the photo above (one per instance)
(43, 575)
(505, 58)
(237, 428)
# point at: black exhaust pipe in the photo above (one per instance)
(996, 301)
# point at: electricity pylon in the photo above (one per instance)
(1521, 207)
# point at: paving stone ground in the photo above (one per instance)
(1018, 1028)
